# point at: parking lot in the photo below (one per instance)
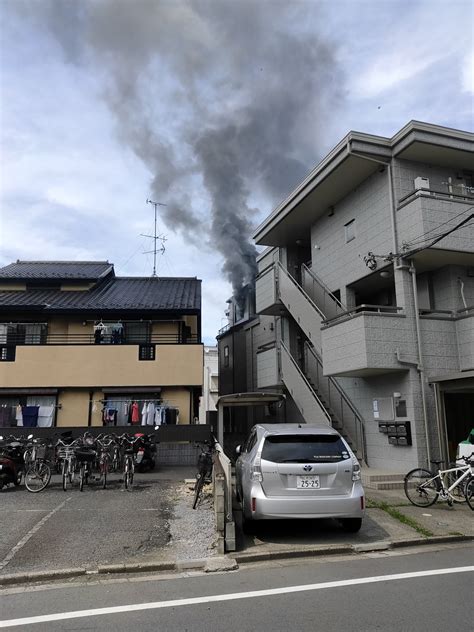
(54, 529)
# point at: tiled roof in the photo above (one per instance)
(116, 293)
(55, 270)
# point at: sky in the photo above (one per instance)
(215, 108)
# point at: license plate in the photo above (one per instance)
(308, 482)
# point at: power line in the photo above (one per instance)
(424, 237)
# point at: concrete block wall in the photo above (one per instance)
(177, 454)
(362, 392)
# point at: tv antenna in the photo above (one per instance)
(155, 238)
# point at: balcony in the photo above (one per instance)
(266, 294)
(268, 375)
(427, 212)
(366, 340)
(99, 365)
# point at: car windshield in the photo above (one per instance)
(304, 449)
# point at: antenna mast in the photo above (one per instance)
(155, 238)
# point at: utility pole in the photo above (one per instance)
(155, 238)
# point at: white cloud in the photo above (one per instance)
(467, 73)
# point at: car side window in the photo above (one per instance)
(252, 440)
(246, 447)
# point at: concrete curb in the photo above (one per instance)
(228, 563)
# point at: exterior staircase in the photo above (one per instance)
(319, 398)
(381, 479)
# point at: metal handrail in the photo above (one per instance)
(357, 416)
(323, 286)
(298, 287)
(431, 192)
(305, 379)
(365, 307)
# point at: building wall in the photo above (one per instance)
(338, 263)
(210, 385)
(102, 365)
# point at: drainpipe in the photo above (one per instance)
(420, 367)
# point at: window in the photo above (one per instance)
(304, 449)
(146, 352)
(349, 229)
(7, 353)
(226, 356)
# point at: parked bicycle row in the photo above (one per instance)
(79, 461)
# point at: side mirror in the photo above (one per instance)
(237, 450)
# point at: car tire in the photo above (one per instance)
(351, 525)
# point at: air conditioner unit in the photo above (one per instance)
(422, 183)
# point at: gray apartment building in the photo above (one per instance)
(365, 295)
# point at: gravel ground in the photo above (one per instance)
(193, 532)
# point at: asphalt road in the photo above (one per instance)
(424, 591)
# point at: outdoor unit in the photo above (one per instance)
(422, 183)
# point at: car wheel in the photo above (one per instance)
(351, 525)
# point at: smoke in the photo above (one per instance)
(225, 102)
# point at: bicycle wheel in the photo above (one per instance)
(421, 487)
(37, 477)
(198, 489)
(469, 491)
(65, 473)
(457, 494)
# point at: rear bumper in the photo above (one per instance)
(261, 507)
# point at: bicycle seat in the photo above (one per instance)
(438, 463)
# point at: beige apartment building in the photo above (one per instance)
(80, 346)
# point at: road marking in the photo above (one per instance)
(175, 603)
(30, 534)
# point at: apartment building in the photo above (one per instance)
(368, 276)
(210, 390)
(80, 346)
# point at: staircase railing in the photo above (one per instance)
(301, 306)
(337, 400)
(303, 394)
(328, 304)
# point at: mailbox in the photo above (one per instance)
(398, 433)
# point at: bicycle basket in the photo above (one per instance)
(85, 455)
(41, 451)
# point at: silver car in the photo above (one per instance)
(298, 471)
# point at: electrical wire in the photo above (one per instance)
(424, 236)
(435, 240)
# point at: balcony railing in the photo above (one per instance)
(467, 193)
(89, 339)
(378, 309)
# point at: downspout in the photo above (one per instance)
(421, 370)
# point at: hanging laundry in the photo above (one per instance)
(150, 416)
(30, 416)
(135, 413)
(45, 416)
(157, 421)
(144, 413)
